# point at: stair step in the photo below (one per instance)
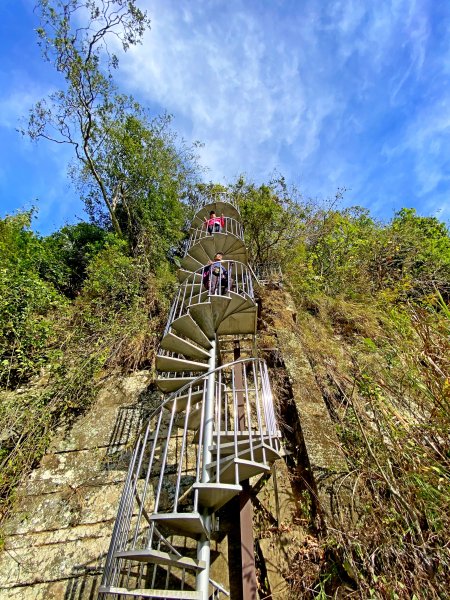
(172, 384)
(194, 419)
(239, 323)
(190, 524)
(150, 593)
(159, 557)
(246, 469)
(189, 263)
(219, 305)
(174, 343)
(242, 437)
(185, 325)
(194, 289)
(262, 453)
(218, 207)
(198, 252)
(216, 495)
(170, 363)
(202, 315)
(243, 445)
(223, 243)
(237, 246)
(182, 401)
(237, 304)
(183, 274)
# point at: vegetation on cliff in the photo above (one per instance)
(372, 301)
(373, 319)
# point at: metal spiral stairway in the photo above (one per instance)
(216, 429)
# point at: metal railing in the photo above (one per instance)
(268, 272)
(231, 227)
(209, 199)
(167, 463)
(201, 284)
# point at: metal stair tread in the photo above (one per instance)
(199, 253)
(152, 593)
(172, 384)
(202, 315)
(190, 523)
(223, 243)
(189, 263)
(238, 243)
(215, 495)
(219, 305)
(193, 420)
(243, 446)
(183, 274)
(262, 454)
(237, 301)
(182, 401)
(229, 436)
(185, 325)
(246, 469)
(149, 555)
(238, 323)
(174, 343)
(174, 364)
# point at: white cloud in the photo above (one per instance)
(235, 81)
(341, 93)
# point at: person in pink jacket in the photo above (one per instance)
(214, 224)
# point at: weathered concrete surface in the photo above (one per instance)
(326, 459)
(279, 543)
(323, 462)
(59, 533)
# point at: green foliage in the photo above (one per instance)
(339, 249)
(385, 373)
(146, 172)
(131, 170)
(112, 323)
(68, 253)
(26, 303)
(274, 221)
(417, 254)
(76, 114)
(351, 254)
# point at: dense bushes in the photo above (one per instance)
(374, 321)
(27, 302)
(73, 306)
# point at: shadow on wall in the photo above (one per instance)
(129, 422)
(86, 578)
(85, 583)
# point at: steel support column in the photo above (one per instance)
(249, 582)
(204, 544)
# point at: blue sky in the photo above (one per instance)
(330, 93)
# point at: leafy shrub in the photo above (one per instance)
(26, 303)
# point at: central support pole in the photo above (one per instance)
(249, 582)
(204, 544)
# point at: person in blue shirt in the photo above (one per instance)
(215, 276)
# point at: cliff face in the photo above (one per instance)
(59, 532)
(310, 491)
(57, 538)
(332, 504)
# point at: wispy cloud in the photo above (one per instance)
(339, 93)
(308, 89)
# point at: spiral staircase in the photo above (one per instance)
(216, 428)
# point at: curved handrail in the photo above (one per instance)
(232, 226)
(239, 277)
(193, 382)
(214, 197)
